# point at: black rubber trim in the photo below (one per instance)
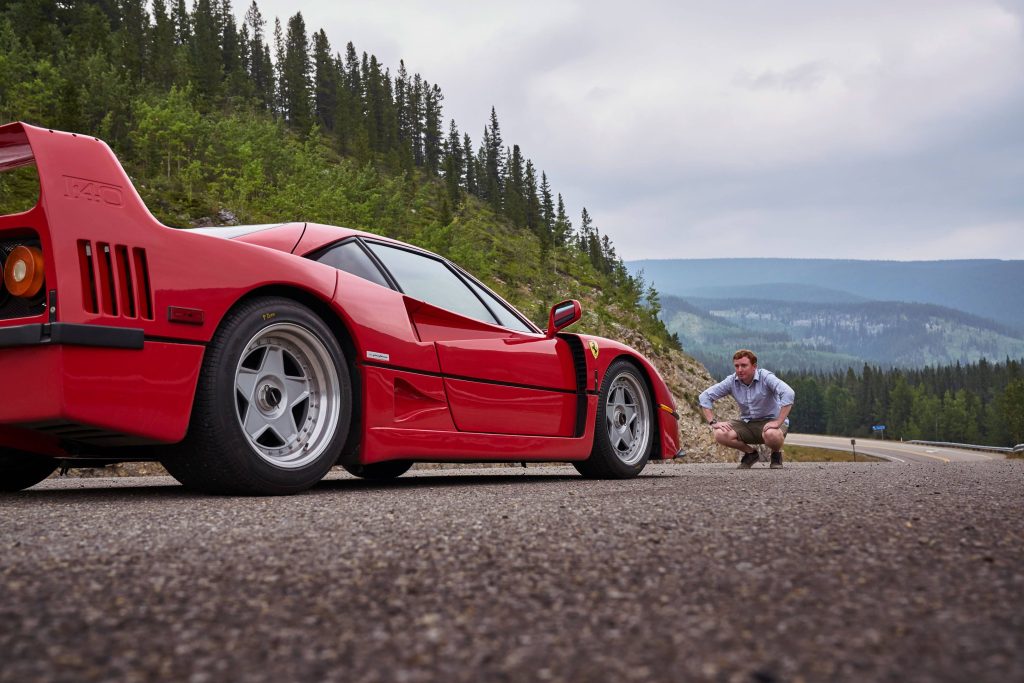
(426, 373)
(579, 359)
(175, 340)
(72, 334)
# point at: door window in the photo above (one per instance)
(430, 280)
(505, 317)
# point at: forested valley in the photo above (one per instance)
(978, 403)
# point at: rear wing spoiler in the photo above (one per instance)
(90, 225)
(80, 180)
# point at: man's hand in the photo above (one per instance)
(721, 426)
(774, 424)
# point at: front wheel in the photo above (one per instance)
(624, 433)
(20, 470)
(273, 405)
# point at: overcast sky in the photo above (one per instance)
(882, 129)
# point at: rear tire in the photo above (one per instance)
(20, 470)
(380, 471)
(273, 404)
(624, 433)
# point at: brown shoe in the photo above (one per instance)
(776, 460)
(747, 461)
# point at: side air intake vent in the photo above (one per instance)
(115, 280)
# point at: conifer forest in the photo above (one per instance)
(225, 121)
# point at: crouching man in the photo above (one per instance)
(765, 402)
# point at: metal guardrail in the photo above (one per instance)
(1019, 448)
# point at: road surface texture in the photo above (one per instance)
(847, 571)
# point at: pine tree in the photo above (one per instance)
(279, 93)
(416, 119)
(233, 57)
(515, 197)
(1011, 406)
(453, 164)
(261, 68)
(404, 115)
(534, 217)
(182, 23)
(295, 76)
(471, 185)
(325, 82)
(586, 232)
(493, 166)
(350, 120)
(132, 35)
(563, 226)
(547, 209)
(207, 67)
(161, 47)
(432, 133)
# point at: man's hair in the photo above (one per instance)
(745, 353)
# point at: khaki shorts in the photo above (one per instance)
(752, 432)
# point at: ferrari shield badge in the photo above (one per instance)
(593, 347)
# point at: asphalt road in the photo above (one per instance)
(850, 572)
(895, 451)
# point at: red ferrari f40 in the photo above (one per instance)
(253, 359)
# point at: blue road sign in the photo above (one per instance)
(878, 428)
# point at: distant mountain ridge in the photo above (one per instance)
(809, 314)
(833, 336)
(985, 288)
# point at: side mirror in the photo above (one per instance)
(562, 315)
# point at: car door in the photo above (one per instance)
(500, 374)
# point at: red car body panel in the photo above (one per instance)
(113, 356)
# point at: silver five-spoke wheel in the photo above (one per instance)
(624, 435)
(286, 395)
(627, 415)
(273, 405)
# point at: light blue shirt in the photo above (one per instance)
(759, 400)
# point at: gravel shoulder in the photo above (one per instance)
(845, 571)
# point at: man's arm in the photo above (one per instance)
(711, 394)
(786, 396)
(781, 419)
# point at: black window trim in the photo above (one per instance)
(460, 275)
(466, 275)
(444, 262)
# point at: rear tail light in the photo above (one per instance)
(23, 272)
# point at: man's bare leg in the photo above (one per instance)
(729, 437)
(774, 438)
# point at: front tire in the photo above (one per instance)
(273, 405)
(20, 470)
(624, 434)
(380, 471)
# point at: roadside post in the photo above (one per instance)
(853, 442)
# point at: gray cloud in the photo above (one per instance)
(864, 129)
